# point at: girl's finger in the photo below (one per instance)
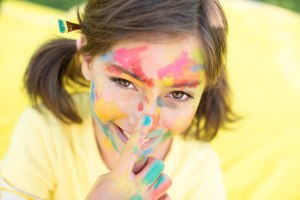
(160, 186)
(165, 197)
(151, 171)
(132, 147)
(139, 165)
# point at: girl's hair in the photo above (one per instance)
(106, 22)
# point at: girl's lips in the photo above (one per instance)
(124, 139)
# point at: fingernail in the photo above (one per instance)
(147, 121)
(140, 159)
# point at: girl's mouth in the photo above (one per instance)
(124, 136)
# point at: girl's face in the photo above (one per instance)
(135, 79)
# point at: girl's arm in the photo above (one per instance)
(10, 192)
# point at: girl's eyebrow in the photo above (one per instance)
(186, 84)
(117, 69)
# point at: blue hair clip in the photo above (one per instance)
(66, 27)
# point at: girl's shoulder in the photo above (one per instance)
(44, 117)
(35, 125)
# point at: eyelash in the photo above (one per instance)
(116, 81)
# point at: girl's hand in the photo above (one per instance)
(129, 181)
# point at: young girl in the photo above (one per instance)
(156, 72)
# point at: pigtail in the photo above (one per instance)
(52, 67)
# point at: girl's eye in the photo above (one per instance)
(180, 96)
(122, 83)
(177, 94)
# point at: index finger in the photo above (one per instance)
(132, 148)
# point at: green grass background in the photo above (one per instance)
(67, 4)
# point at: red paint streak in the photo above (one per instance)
(180, 70)
(140, 107)
(129, 59)
(147, 100)
(113, 69)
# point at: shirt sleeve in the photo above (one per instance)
(28, 164)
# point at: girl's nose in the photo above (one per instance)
(154, 111)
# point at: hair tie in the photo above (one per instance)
(66, 26)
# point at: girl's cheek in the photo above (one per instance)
(108, 111)
(179, 123)
(105, 108)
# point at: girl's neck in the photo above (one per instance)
(110, 155)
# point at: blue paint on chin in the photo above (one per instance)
(196, 68)
(155, 133)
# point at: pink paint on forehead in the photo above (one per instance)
(176, 67)
(129, 59)
(180, 70)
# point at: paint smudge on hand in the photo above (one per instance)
(154, 172)
(159, 181)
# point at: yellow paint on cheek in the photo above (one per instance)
(180, 124)
(107, 143)
(108, 111)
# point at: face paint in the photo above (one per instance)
(182, 71)
(108, 111)
(155, 133)
(140, 107)
(159, 102)
(147, 100)
(129, 59)
(107, 143)
(117, 105)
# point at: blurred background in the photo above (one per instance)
(260, 157)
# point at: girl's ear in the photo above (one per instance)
(86, 67)
(85, 60)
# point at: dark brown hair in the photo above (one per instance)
(106, 22)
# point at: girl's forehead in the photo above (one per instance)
(152, 57)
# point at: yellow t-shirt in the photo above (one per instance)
(52, 160)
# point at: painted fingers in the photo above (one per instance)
(153, 178)
(165, 197)
(132, 147)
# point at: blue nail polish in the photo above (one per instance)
(146, 120)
